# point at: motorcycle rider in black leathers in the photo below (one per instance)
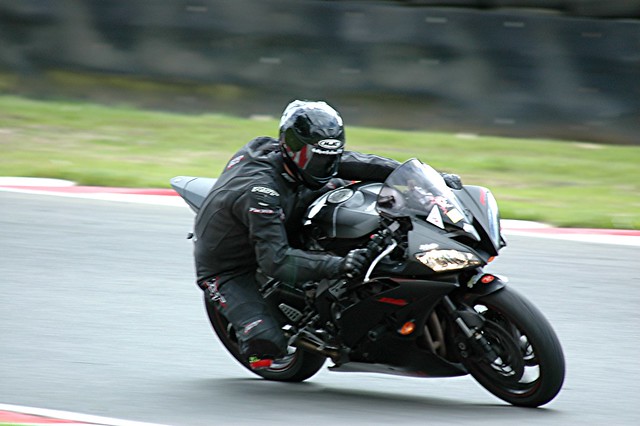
(250, 222)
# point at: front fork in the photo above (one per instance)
(471, 322)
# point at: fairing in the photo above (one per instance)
(416, 190)
(461, 220)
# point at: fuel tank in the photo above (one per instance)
(343, 217)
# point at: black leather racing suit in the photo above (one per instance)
(248, 222)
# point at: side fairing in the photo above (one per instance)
(484, 209)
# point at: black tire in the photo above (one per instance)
(296, 367)
(533, 368)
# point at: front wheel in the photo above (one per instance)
(295, 367)
(529, 369)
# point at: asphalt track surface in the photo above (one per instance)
(99, 315)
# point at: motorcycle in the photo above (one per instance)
(424, 308)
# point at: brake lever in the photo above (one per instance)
(375, 262)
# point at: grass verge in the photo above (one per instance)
(563, 183)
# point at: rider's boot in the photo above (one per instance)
(257, 363)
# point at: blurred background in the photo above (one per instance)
(566, 69)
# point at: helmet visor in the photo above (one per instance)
(321, 160)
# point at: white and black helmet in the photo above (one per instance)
(312, 141)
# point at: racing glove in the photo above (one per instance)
(452, 181)
(354, 263)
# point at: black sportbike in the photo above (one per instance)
(424, 308)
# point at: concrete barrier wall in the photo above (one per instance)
(562, 69)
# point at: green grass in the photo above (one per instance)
(558, 182)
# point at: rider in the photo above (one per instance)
(250, 221)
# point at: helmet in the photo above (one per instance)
(311, 141)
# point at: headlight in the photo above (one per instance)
(447, 260)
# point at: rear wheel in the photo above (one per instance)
(297, 366)
(529, 369)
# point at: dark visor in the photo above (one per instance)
(324, 158)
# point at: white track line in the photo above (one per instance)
(72, 417)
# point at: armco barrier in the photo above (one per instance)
(484, 66)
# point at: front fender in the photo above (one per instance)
(480, 285)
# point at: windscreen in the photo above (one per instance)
(416, 189)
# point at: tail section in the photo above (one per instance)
(192, 189)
